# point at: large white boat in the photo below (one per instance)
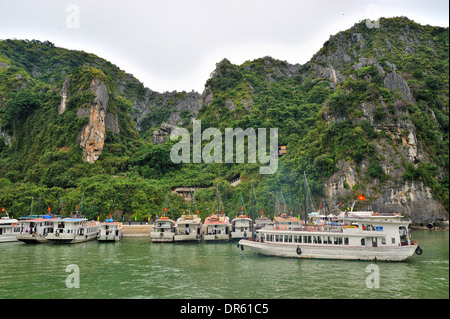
(284, 222)
(9, 228)
(110, 231)
(73, 230)
(263, 222)
(163, 230)
(376, 237)
(241, 227)
(188, 228)
(217, 228)
(36, 230)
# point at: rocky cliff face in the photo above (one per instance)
(92, 136)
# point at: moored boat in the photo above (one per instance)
(385, 238)
(36, 230)
(188, 228)
(9, 228)
(73, 230)
(110, 231)
(241, 227)
(285, 222)
(217, 228)
(263, 222)
(163, 230)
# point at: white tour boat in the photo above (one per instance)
(217, 228)
(73, 230)
(284, 222)
(9, 228)
(163, 230)
(377, 237)
(241, 227)
(36, 230)
(110, 231)
(263, 222)
(188, 228)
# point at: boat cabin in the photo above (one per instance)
(285, 222)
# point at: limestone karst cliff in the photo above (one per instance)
(367, 114)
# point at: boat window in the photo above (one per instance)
(299, 239)
(363, 241)
(339, 240)
(383, 241)
(345, 240)
(393, 240)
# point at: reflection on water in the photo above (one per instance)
(137, 268)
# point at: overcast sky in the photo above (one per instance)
(174, 44)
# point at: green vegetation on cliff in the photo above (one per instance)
(372, 98)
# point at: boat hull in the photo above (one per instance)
(70, 238)
(191, 238)
(162, 237)
(388, 253)
(237, 235)
(109, 238)
(217, 238)
(8, 238)
(32, 239)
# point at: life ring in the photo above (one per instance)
(56, 234)
(45, 234)
(284, 226)
(419, 250)
(299, 251)
(277, 227)
(161, 235)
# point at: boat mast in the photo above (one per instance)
(253, 214)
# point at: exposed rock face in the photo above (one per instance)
(395, 81)
(64, 96)
(411, 198)
(92, 136)
(161, 135)
(171, 103)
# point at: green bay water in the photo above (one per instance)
(137, 268)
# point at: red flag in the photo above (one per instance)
(361, 197)
(340, 204)
(320, 206)
(197, 211)
(242, 208)
(49, 208)
(77, 207)
(3, 209)
(262, 212)
(221, 212)
(165, 209)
